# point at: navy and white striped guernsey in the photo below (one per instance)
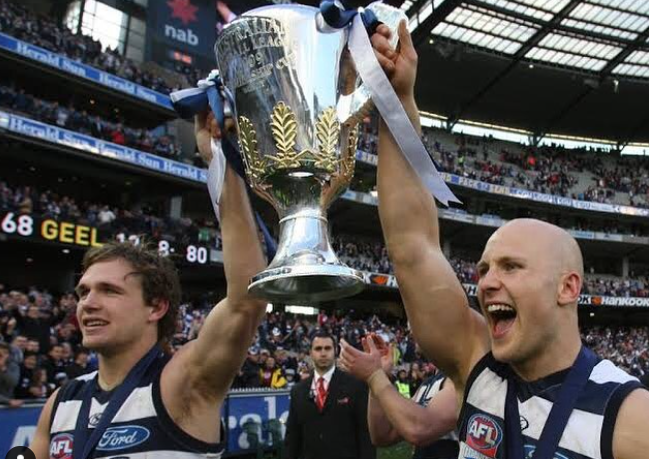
(447, 446)
(588, 435)
(141, 429)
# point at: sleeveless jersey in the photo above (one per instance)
(447, 446)
(141, 429)
(588, 434)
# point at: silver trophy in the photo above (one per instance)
(298, 101)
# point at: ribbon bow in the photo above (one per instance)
(362, 23)
(211, 93)
(337, 16)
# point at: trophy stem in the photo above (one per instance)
(305, 268)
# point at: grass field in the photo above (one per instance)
(400, 451)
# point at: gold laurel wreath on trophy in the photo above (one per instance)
(283, 126)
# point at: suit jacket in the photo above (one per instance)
(340, 431)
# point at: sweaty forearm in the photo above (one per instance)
(242, 253)
(406, 208)
(382, 431)
(412, 421)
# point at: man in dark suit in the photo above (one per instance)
(328, 413)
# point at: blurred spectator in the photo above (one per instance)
(80, 366)
(248, 376)
(9, 377)
(271, 376)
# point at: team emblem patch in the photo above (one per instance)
(484, 434)
(61, 446)
(94, 420)
(529, 453)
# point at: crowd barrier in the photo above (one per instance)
(248, 412)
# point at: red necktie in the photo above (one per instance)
(321, 394)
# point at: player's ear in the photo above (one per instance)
(159, 308)
(569, 289)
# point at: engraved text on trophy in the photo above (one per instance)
(258, 47)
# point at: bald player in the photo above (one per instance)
(526, 386)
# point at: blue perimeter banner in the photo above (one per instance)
(19, 424)
(542, 197)
(37, 129)
(84, 71)
(63, 137)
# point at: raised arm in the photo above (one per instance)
(200, 374)
(435, 301)
(220, 349)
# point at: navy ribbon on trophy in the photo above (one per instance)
(337, 17)
(387, 102)
(211, 93)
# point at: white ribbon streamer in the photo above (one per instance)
(396, 118)
(216, 176)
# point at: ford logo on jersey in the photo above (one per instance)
(122, 437)
(484, 434)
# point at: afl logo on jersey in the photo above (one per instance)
(61, 446)
(484, 434)
(117, 438)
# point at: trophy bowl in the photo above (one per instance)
(297, 101)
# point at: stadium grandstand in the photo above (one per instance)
(530, 108)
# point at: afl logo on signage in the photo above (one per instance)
(484, 434)
(61, 446)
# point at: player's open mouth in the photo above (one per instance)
(94, 324)
(502, 318)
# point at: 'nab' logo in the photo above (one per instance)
(186, 13)
(484, 434)
(61, 446)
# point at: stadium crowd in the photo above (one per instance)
(110, 220)
(81, 121)
(360, 254)
(40, 345)
(21, 23)
(546, 169)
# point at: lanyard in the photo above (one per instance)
(559, 414)
(85, 442)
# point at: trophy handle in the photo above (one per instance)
(352, 108)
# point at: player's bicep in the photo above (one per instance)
(209, 363)
(438, 308)
(630, 440)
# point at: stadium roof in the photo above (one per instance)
(485, 56)
(603, 36)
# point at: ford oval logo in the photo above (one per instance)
(122, 437)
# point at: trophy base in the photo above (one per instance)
(304, 284)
